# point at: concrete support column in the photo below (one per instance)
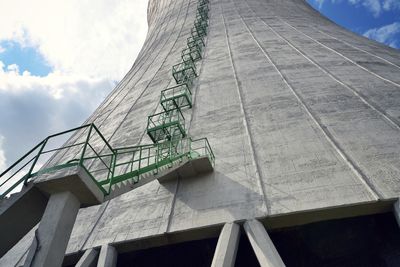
(396, 211)
(108, 256)
(263, 247)
(51, 238)
(89, 258)
(228, 241)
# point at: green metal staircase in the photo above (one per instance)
(81, 160)
(108, 166)
(169, 124)
(105, 165)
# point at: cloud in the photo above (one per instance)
(33, 107)
(376, 7)
(391, 5)
(319, 3)
(387, 34)
(94, 38)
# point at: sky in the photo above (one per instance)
(376, 19)
(59, 59)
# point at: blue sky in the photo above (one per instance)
(375, 19)
(25, 57)
(58, 61)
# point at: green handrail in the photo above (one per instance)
(167, 148)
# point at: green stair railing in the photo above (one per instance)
(132, 162)
(195, 43)
(184, 71)
(105, 165)
(93, 153)
(201, 15)
(193, 54)
(166, 125)
(178, 96)
(108, 166)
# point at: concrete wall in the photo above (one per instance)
(302, 115)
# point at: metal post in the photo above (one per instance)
(85, 146)
(36, 159)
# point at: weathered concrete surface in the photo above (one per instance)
(51, 238)
(302, 116)
(88, 259)
(396, 211)
(18, 214)
(108, 256)
(17, 255)
(228, 241)
(72, 179)
(263, 247)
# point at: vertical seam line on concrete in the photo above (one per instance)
(392, 121)
(94, 225)
(340, 54)
(362, 177)
(172, 211)
(245, 122)
(357, 48)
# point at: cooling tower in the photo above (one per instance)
(298, 122)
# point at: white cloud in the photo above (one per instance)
(319, 3)
(373, 6)
(376, 7)
(385, 34)
(32, 107)
(391, 5)
(56, 85)
(94, 38)
(13, 68)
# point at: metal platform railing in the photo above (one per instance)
(93, 153)
(178, 96)
(139, 160)
(105, 165)
(184, 71)
(166, 125)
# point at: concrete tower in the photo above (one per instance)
(303, 118)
